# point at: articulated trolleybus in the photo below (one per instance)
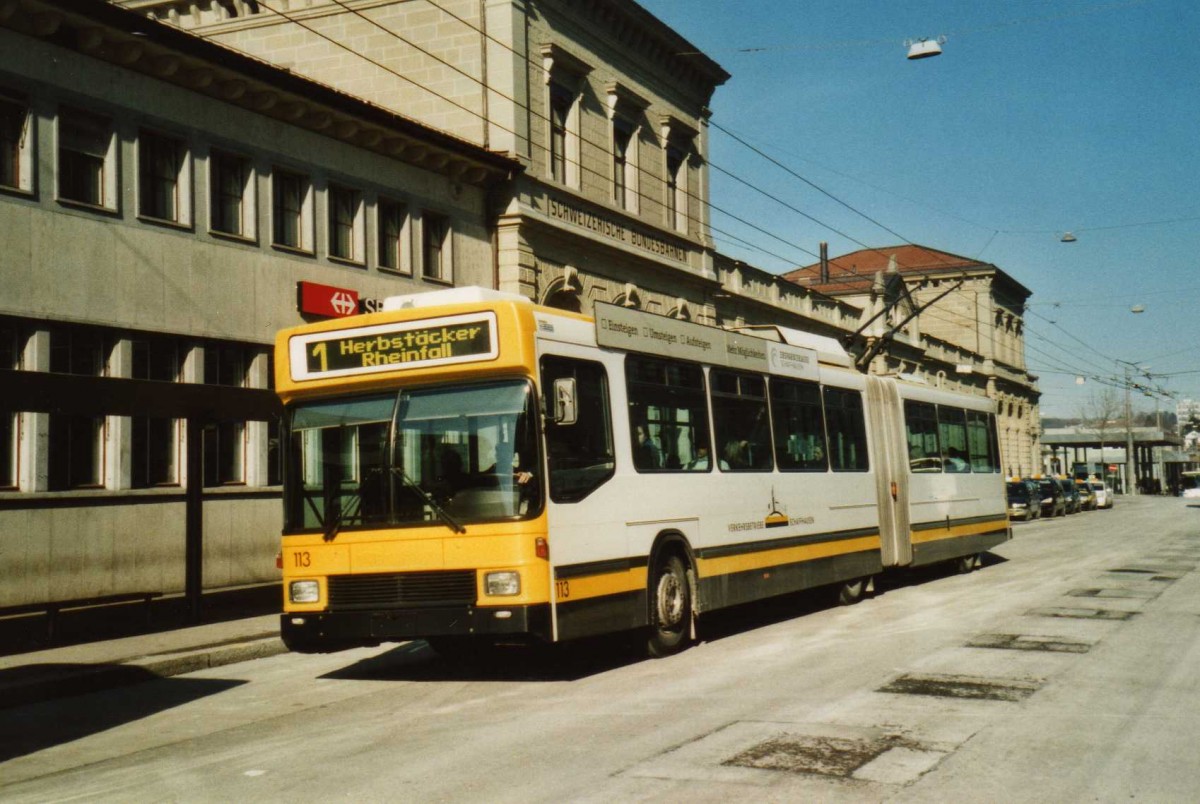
(468, 468)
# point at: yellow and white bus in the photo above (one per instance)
(467, 467)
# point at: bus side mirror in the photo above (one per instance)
(564, 401)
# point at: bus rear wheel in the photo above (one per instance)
(850, 592)
(670, 607)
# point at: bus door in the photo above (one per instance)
(891, 477)
(579, 461)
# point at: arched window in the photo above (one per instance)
(564, 299)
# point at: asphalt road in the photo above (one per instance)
(1065, 669)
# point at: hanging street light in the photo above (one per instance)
(924, 48)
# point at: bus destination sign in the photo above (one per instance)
(389, 347)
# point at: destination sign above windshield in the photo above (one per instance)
(391, 347)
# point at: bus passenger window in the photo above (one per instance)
(668, 415)
(579, 454)
(981, 442)
(920, 422)
(952, 433)
(847, 430)
(799, 426)
(740, 421)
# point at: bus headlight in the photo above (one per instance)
(497, 584)
(304, 592)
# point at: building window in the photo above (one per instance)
(435, 247)
(76, 447)
(564, 76)
(290, 208)
(225, 442)
(393, 236)
(624, 162)
(162, 178)
(564, 141)
(16, 153)
(86, 159)
(10, 421)
(154, 443)
(231, 196)
(677, 188)
(345, 223)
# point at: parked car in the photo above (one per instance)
(1054, 502)
(1035, 494)
(1071, 493)
(1087, 497)
(1022, 504)
(1104, 495)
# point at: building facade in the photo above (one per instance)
(163, 200)
(603, 104)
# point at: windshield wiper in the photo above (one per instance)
(429, 500)
(332, 528)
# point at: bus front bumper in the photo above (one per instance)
(301, 630)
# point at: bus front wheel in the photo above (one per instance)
(670, 607)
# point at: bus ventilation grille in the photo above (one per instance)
(400, 589)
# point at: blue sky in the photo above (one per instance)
(1039, 118)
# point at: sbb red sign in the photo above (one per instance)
(327, 300)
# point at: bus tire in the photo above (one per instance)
(966, 564)
(850, 592)
(670, 607)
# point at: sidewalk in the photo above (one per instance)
(75, 669)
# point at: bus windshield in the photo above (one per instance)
(451, 454)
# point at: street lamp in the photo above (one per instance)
(924, 48)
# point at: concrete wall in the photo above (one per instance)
(51, 551)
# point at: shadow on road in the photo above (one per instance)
(418, 661)
(26, 729)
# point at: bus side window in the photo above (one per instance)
(952, 433)
(799, 426)
(739, 404)
(920, 422)
(981, 440)
(580, 452)
(847, 430)
(668, 415)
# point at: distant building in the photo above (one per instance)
(1186, 412)
(978, 312)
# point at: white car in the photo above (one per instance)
(1104, 495)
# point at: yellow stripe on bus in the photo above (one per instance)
(955, 531)
(634, 580)
(609, 583)
(727, 565)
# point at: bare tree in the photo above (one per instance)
(1101, 414)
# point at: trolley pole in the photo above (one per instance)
(1130, 459)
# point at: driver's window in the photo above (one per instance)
(579, 454)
